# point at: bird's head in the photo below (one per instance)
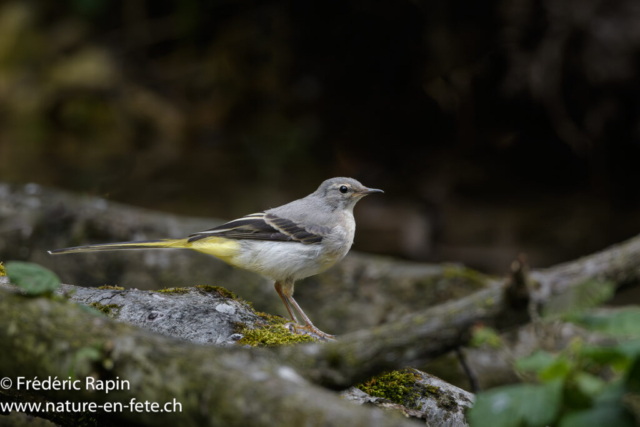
(343, 193)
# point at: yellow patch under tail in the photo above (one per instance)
(219, 247)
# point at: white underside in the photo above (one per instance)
(287, 261)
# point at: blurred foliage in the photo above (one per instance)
(579, 298)
(481, 335)
(623, 322)
(582, 385)
(33, 279)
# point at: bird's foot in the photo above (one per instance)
(296, 328)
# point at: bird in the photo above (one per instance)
(285, 244)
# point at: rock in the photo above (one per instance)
(438, 403)
(202, 314)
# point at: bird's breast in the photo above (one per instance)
(339, 241)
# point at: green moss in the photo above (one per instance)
(225, 293)
(270, 332)
(114, 288)
(272, 336)
(431, 389)
(174, 290)
(3, 272)
(108, 309)
(396, 386)
(270, 319)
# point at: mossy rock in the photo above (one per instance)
(272, 336)
(407, 388)
(397, 386)
(108, 309)
(271, 331)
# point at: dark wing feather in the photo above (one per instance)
(264, 227)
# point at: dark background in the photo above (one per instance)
(494, 127)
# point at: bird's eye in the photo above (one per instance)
(344, 189)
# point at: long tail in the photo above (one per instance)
(147, 244)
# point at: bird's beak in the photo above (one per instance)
(370, 191)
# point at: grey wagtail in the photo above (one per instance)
(288, 243)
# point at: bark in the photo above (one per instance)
(619, 264)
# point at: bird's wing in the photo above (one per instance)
(265, 226)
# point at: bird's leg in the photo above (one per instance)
(309, 326)
(280, 292)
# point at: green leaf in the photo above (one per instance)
(589, 384)
(535, 362)
(633, 377)
(608, 410)
(530, 405)
(560, 368)
(618, 356)
(624, 322)
(32, 278)
(630, 349)
(599, 416)
(588, 294)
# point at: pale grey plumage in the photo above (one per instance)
(327, 213)
(287, 243)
